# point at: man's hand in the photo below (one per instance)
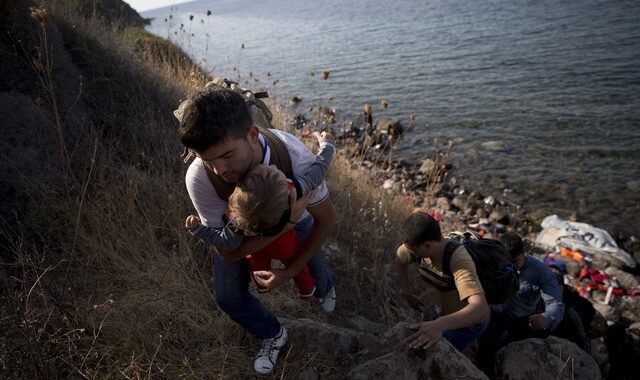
(324, 136)
(428, 333)
(538, 322)
(273, 278)
(192, 222)
(297, 207)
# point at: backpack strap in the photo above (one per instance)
(279, 153)
(444, 282)
(449, 249)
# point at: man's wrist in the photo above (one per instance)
(196, 230)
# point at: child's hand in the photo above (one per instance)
(192, 222)
(324, 136)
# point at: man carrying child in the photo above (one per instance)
(216, 124)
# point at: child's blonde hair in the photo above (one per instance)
(260, 199)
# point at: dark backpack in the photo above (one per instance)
(498, 276)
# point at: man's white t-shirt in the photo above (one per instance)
(211, 208)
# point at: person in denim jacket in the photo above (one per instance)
(534, 312)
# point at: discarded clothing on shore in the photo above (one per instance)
(553, 263)
(558, 233)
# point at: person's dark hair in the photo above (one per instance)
(419, 228)
(212, 116)
(513, 243)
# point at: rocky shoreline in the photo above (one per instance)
(430, 185)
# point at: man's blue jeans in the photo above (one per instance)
(231, 283)
(463, 337)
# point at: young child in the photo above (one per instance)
(260, 206)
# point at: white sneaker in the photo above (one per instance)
(328, 303)
(266, 359)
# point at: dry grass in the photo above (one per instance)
(105, 283)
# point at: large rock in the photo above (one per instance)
(551, 358)
(630, 308)
(634, 332)
(330, 341)
(379, 357)
(599, 352)
(440, 361)
(604, 261)
(626, 280)
(598, 326)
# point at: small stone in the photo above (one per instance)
(490, 200)
(573, 268)
(428, 167)
(388, 184)
(630, 308)
(460, 202)
(494, 146)
(625, 280)
(538, 215)
(482, 213)
(608, 312)
(500, 216)
(444, 204)
(409, 185)
(634, 186)
(598, 326)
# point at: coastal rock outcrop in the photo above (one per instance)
(379, 356)
(551, 358)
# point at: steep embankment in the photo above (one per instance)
(98, 276)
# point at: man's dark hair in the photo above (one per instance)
(513, 243)
(419, 228)
(212, 116)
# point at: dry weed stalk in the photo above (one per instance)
(42, 66)
(438, 175)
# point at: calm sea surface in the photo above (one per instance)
(557, 82)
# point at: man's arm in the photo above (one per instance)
(256, 243)
(552, 297)
(429, 332)
(405, 285)
(324, 220)
(476, 311)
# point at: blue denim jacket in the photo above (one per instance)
(536, 281)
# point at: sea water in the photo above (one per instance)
(556, 83)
